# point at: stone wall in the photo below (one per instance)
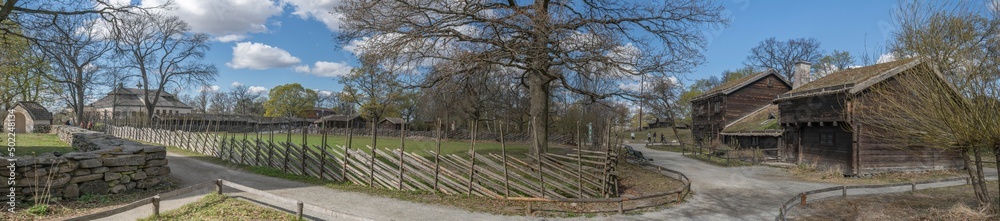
(103, 164)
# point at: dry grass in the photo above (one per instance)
(949, 203)
(835, 175)
(64, 209)
(220, 207)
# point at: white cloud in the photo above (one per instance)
(223, 18)
(230, 38)
(257, 89)
(324, 93)
(887, 57)
(326, 69)
(319, 10)
(260, 56)
(213, 88)
(236, 84)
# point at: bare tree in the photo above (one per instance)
(951, 102)
(245, 99)
(163, 52)
(221, 103)
(782, 55)
(549, 41)
(76, 52)
(833, 62)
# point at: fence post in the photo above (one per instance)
(803, 203)
(472, 168)
(298, 209)
(218, 186)
(156, 205)
(579, 160)
(530, 205)
(347, 151)
(503, 153)
(437, 157)
(621, 205)
(913, 187)
(402, 148)
(844, 191)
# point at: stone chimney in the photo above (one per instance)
(801, 75)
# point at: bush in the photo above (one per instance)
(39, 209)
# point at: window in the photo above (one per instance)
(770, 82)
(718, 106)
(826, 139)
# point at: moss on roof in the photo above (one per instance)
(851, 76)
(759, 120)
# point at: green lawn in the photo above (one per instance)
(219, 207)
(28, 144)
(413, 145)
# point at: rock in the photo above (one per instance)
(80, 156)
(123, 169)
(154, 149)
(156, 171)
(90, 163)
(139, 175)
(86, 178)
(71, 191)
(58, 180)
(96, 187)
(132, 149)
(112, 176)
(125, 160)
(156, 163)
(156, 156)
(80, 172)
(37, 172)
(68, 166)
(99, 170)
(126, 179)
(130, 185)
(117, 188)
(149, 182)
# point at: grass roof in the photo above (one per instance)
(759, 120)
(733, 84)
(851, 76)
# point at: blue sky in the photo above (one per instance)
(281, 42)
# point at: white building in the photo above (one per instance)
(31, 117)
(130, 101)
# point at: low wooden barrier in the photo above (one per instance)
(802, 198)
(218, 184)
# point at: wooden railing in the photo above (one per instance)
(802, 198)
(218, 184)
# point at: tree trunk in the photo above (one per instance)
(974, 169)
(538, 89)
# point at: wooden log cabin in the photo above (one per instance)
(759, 129)
(732, 100)
(818, 126)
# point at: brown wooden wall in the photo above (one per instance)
(838, 155)
(753, 97)
(706, 122)
(823, 108)
(746, 142)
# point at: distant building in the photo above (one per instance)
(341, 121)
(31, 117)
(732, 100)
(394, 123)
(130, 101)
(319, 112)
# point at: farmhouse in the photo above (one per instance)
(732, 100)
(759, 129)
(31, 117)
(393, 123)
(341, 121)
(819, 128)
(131, 101)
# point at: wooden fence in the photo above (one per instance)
(218, 184)
(801, 198)
(584, 174)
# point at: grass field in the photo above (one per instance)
(219, 207)
(413, 145)
(38, 143)
(948, 203)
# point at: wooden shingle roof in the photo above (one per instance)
(35, 110)
(127, 97)
(734, 85)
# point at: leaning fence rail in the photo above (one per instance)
(802, 198)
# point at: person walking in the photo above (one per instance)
(633, 135)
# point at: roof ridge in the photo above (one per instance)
(742, 82)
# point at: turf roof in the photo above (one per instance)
(757, 121)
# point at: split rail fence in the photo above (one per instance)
(584, 174)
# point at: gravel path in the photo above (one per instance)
(720, 193)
